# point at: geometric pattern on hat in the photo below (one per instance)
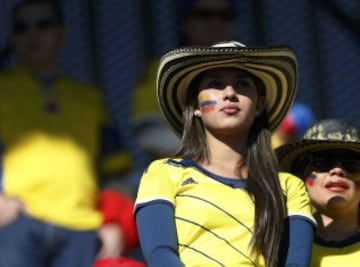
(276, 67)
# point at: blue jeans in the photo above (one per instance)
(30, 243)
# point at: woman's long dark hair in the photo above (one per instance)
(263, 180)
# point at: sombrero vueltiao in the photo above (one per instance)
(276, 67)
(323, 135)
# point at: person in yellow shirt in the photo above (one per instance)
(328, 159)
(50, 129)
(220, 201)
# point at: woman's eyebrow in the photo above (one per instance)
(215, 75)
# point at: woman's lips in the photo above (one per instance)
(230, 109)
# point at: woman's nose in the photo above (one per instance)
(230, 93)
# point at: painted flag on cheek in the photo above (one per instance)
(207, 106)
(310, 179)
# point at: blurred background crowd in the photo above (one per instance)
(115, 45)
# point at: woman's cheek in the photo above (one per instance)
(207, 104)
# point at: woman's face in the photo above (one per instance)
(334, 183)
(228, 101)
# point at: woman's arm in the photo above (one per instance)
(157, 234)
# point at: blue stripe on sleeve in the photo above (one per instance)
(157, 234)
(299, 236)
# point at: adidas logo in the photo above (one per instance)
(188, 181)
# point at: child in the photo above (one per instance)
(328, 159)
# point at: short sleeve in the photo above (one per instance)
(297, 198)
(156, 185)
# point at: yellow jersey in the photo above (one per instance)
(50, 151)
(214, 221)
(336, 254)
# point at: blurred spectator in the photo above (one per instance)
(50, 134)
(117, 210)
(205, 22)
(201, 22)
(293, 127)
(121, 262)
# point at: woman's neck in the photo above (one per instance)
(226, 157)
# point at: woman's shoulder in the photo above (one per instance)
(174, 167)
(167, 171)
(166, 164)
(171, 163)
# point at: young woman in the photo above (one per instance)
(328, 158)
(221, 202)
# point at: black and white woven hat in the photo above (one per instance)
(323, 135)
(276, 67)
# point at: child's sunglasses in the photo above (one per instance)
(326, 160)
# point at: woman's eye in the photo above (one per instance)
(216, 84)
(242, 84)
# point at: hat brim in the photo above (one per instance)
(276, 67)
(289, 154)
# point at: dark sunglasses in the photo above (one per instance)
(205, 14)
(21, 27)
(325, 161)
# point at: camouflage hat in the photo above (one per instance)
(323, 135)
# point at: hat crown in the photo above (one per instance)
(332, 130)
